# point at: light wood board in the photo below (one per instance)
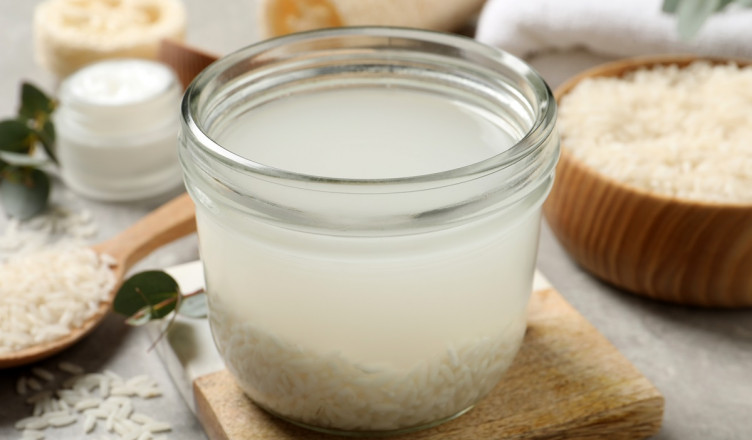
(567, 382)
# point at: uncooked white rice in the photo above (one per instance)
(328, 390)
(43, 374)
(21, 386)
(33, 383)
(681, 132)
(79, 402)
(43, 296)
(70, 368)
(57, 225)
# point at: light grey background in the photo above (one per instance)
(701, 360)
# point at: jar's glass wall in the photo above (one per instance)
(368, 304)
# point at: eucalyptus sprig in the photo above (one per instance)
(692, 14)
(154, 295)
(24, 187)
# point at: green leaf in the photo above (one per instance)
(24, 191)
(16, 136)
(722, 5)
(692, 14)
(34, 103)
(670, 6)
(153, 289)
(47, 137)
(194, 306)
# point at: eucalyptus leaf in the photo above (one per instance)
(194, 306)
(16, 136)
(24, 191)
(35, 104)
(670, 5)
(47, 137)
(154, 289)
(692, 14)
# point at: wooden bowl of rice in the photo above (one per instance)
(653, 191)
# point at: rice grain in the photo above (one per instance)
(70, 368)
(680, 132)
(48, 295)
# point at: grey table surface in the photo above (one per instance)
(701, 360)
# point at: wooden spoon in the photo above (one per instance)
(169, 222)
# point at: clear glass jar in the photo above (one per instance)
(362, 289)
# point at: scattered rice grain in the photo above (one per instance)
(34, 384)
(39, 397)
(116, 378)
(23, 423)
(43, 374)
(104, 387)
(54, 414)
(32, 434)
(62, 420)
(37, 423)
(21, 386)
(141, 418)
(157, 427)
(90, 422)
(125, 410)
(88, 403)
(71, 368)
(109, 424)
(119, 427)
(76, 403)
(123, 390)
(148, 393)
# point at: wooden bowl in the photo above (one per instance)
(670, 249)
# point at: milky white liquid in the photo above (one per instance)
(361, 314)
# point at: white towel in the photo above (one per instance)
(608, 27)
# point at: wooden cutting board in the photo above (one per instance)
(567, 382)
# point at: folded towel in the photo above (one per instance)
(614, 28)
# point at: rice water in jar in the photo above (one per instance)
(368, 205)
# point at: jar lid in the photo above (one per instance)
(117, 129)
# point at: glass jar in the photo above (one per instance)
(368, 207)
(117, 128)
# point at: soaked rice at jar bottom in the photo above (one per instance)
(329, 391)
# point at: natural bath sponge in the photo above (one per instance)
(279, 17)
(69, 34)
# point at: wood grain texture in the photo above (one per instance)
(665, 248)
(567, 382)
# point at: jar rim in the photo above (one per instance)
(536, 135)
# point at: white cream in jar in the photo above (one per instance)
(117, 129)
(368, 233)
